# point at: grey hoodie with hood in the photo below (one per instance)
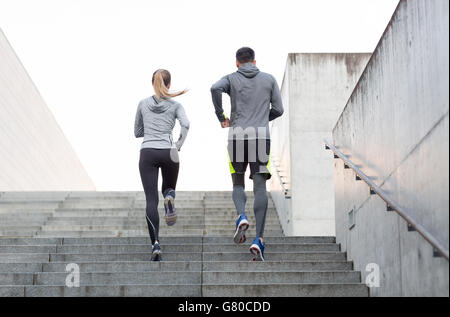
(155, 120)
(251, 93)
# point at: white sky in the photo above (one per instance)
(92, 61)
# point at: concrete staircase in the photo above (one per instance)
(106, 235)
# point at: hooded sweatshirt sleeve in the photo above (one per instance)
(277, 105)
(184, 123)
(139, 124)
(223, 85)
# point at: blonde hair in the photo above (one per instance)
(161, 80)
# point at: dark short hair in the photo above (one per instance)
(245, 55)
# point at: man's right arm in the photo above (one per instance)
(217, 89)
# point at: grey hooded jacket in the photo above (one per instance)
(251, 93)
(155, 120)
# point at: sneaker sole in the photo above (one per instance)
(256, 251)
(156, 256)
(169, 205)
(239, 235)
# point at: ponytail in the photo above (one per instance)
(161, 79)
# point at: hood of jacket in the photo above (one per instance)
(158, 105)
(249, 70)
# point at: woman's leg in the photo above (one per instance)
(149, 176)
(169, 170)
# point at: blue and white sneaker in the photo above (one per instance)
(156, 252)
(241, 226)
(171, 212)
(257, 249)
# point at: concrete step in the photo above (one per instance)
(80, 212)
(21, 267)
(28, 202)
(134, 233)
(94, 199)
(60, 217)
(270, 277)
(277, 266)
(229, 204)
(97, 213)
(146, 266)
(251, 233)
(18, 233)
(178, 290)
(19, 228)
(112, 278)
(230, 208)
(146, 240)
(21, 221)
(27, 249)
(134, 216)
(177, 277)
(113, 234)
(137, 194)
(16, 279)
(194, 211)
(6, 225)
(24, 257)
(143, 256)
(37, 195)
(23, 217)
(80, 234)
(215, 290)
(121, 248)
(280, 247)
(196, 256)
(170, 248)
(103, 194)
(181, 221)
(25, 212)
(142, 231)
(181, 202)
(210, 193)
(143, 226)
(96, 204)
(28, 205)
(128, 266)
(282, 290)
(231, 213)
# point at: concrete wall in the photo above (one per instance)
(315, 89)
(396, 128)
(34, 153)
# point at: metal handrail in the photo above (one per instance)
(392, 204)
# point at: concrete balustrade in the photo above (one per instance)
(395, 127)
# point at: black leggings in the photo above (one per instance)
(151, 160)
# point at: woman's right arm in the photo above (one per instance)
(184, 123)
(139, 124)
